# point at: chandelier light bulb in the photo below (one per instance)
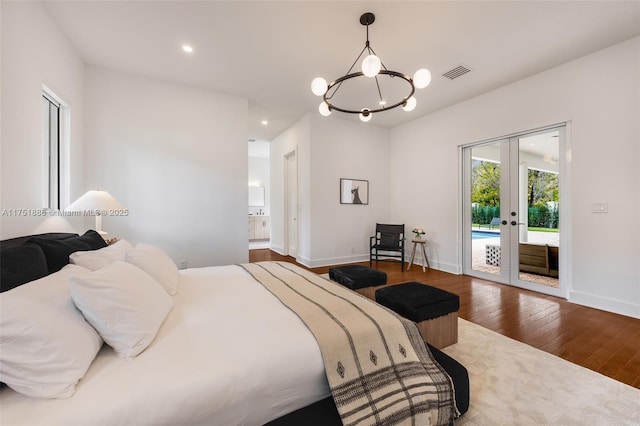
(365, 115)
(410, 104)
(319, 86)
(371, 66)
(422, 78)
(324, 109)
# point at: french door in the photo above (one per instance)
(511, 210)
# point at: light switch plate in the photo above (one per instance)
(600, 208)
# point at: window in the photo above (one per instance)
(52, 111)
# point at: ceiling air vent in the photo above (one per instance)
(456, 72)
(252, 140)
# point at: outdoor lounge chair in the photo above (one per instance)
(494, 222)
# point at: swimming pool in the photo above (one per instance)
(478, 235)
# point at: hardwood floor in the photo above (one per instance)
(601, 341)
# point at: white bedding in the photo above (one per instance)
(229, 353)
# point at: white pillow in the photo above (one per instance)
(124, 304)
(96, 259)
(46, 346)
(156, 263)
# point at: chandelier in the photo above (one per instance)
(372, 67)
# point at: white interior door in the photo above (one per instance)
(511, 213)
(291, 204)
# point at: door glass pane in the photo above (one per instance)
(539, 204)
(485, 208)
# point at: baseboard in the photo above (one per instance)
(333, 261)
(603, 303)
(440, 266)
(279, 250)
(330, 261)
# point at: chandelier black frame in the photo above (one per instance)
(365, 113)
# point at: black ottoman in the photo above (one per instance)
(357, 276)
(434, 310)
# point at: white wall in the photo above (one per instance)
(35, 53)
(346, 149)
(328, 149)
(176, 157)
(599, 95)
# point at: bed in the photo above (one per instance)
(229, 351)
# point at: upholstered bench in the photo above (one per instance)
(434, 310)
(358, 277)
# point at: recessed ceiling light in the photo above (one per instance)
(187, 48)
(265, 122)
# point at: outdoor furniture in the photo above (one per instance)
(387, 244)
(434, 310)
(540, 259)
(494, 222)
(492, 254)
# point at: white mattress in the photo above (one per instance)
(229, 353)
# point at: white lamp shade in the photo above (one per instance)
(324, 109)
(410, 105)
(319, 86)
(98, 203)
(371, 66)
(365, 115)
(95, 200)
(422, 78)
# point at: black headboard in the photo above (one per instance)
(29, 258)
(21, 240)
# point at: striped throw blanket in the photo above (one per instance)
(378, 368)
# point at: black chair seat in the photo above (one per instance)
(381, 247)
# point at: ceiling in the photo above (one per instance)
(268, 52)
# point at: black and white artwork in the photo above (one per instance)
(354, 191)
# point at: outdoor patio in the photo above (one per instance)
(479, 254)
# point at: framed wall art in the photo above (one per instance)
(354, 191)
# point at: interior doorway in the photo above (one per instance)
(511, 210)
(259, 220)
(291, 204)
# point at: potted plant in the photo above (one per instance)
(419, 232)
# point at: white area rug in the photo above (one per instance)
(515, 384)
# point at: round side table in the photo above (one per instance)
(422, 243)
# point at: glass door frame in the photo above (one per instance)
(509, 235)
(467, 243)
